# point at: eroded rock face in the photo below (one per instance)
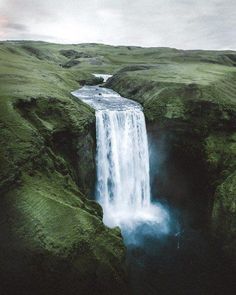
(192, 125)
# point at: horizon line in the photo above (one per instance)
(112, 45)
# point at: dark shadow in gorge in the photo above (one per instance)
(179, 174)
(176, 264)
(186, 260)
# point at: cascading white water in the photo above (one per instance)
(123, 184)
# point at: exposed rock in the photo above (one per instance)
(91, 81)
(71, 63)
(73, 54)
(70, 53)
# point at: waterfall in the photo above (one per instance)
(123, 183)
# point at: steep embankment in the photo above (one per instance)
(52, 236)
(190, 108)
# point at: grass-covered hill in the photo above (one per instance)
(191, 107)
(52, 235)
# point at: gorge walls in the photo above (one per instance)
(193, 119)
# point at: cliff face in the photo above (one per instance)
(53, 239)
(191, 118)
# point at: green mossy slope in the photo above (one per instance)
(53, 239)
(194, 106)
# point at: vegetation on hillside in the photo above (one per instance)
(53, 232)
(194, 105)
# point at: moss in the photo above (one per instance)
(223, 215)
(175, 109)
(221, 152)
(52, 231)
(51, 218)
(54, 214)
(193, 105)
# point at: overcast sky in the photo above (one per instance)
(187, 24)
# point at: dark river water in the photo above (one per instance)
(184, 263)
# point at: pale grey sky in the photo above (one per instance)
(187, 24)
